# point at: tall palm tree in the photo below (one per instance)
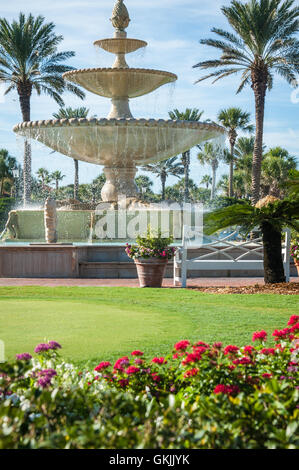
(30, 60)
(164, 169)
(70, 113)
(57, 176)
(187, 115)
(263, 43)
(271, 217)
(211, 154)
(234, 119)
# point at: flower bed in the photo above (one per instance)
(199, 396)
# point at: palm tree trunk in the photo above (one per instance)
(163, 183)
(76, 180)
(231, 174)
(186, 163)
(273, 263)
(24, 91)
(259, 87)
(213, 188)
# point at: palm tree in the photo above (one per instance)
(211, 154)
(164, 169)
(263, 43)
(44, 176)
(57, 176)
(234, 119)
(206, 180)
(271, 216)
(70, 113)
(7, 163)
(275, 171)
(30, 60)
(187, 115)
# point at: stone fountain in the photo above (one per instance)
(119, 142)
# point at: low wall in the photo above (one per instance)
(89, 261)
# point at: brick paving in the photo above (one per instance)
(194, 282)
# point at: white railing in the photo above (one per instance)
(231, 252)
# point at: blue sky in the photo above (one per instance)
(172, 29)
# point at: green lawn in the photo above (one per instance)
(94, 324)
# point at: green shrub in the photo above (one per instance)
(6, 204)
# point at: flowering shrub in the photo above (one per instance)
(295, 250)
(199, 396)
(151, 246)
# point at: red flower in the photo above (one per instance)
(267, 376)
(191, 372)
(249, 349)
(293, 319)
(281, 334)
(259, 335)
(217, 345)
(122, 361)
(192, 357)
(101, 366)
(181, 345)
(201, 343)
(123, 383)
(230, 349)
(243, 361)
(137, 353)
(199, 350)
(132, 370)
(156, 377)
(226, 389)
(267, 351)
(159, 360)
(294, 328)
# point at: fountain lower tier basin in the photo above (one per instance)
(120, 82)
(119, 143)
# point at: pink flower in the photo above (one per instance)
(42, 347)
(281, 334)
(159, 360)
(23, 357)
(259, 336)
(181, 345)
(217, 345)
(123, 383)
(54, 345)
(267, 376)
(132, 370)
(102, 365)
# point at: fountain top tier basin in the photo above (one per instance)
(119, 143)
(120, 45)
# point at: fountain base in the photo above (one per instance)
(120, 182)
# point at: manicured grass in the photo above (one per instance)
(94, 324)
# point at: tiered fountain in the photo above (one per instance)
(119, 142)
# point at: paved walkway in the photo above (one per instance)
(195, 282)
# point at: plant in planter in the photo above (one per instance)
(151, 255)
(295, 251)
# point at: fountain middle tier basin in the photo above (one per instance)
(120, 82)
(119, 142)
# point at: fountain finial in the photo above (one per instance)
(120, 16)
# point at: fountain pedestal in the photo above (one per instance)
(120, 182)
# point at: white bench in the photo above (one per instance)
(228, 253)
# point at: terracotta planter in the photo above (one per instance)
(297, 265)
(151, 271)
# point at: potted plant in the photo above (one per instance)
(151, 254)
(295, 252)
